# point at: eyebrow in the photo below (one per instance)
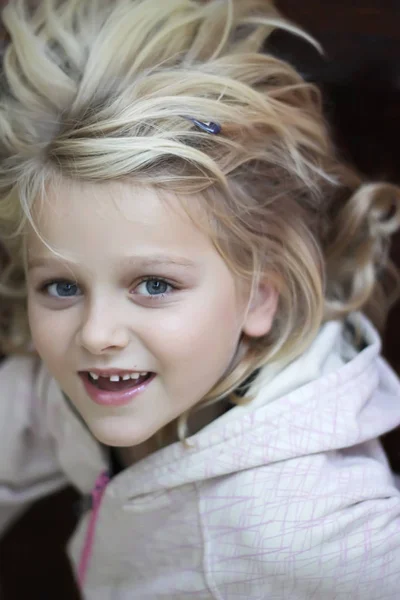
(156, 261)
(126, 261)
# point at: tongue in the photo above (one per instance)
(116, 386)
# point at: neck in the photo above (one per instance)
(169, 434)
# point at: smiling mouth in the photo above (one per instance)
(115, 383)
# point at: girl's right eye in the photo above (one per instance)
(61, 289)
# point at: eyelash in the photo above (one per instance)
(44, 288)
(159, 280)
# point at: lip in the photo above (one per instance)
(109, 372)
(106, 398)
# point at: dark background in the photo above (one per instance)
(360, 80)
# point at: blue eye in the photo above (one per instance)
(154, 287)
(62, 289)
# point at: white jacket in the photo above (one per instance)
(288, 498)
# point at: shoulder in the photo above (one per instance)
(321, 522)
(27, 393)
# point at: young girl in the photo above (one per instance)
(185, 265)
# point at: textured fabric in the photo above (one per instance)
(288, 498)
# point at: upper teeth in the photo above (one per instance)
(118, 377)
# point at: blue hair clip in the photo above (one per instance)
(207, 127)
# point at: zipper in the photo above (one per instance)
(97, 496)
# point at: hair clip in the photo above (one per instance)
(207, 127)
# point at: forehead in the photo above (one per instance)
(75, 217)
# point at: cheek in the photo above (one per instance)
(48, 331)
(207, 332)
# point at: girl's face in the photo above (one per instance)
(138, 290)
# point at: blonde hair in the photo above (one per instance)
(101, 90)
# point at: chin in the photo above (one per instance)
(112, 432)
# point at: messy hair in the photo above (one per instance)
(100, 90)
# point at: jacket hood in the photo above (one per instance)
(334, 396)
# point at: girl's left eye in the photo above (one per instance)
(154, 288)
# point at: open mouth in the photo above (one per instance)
(117, 383)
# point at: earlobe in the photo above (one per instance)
(261, 312)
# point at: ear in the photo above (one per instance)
(261, 311)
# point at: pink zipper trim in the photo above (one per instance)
(97, 496)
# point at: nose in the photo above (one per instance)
(102, 329)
